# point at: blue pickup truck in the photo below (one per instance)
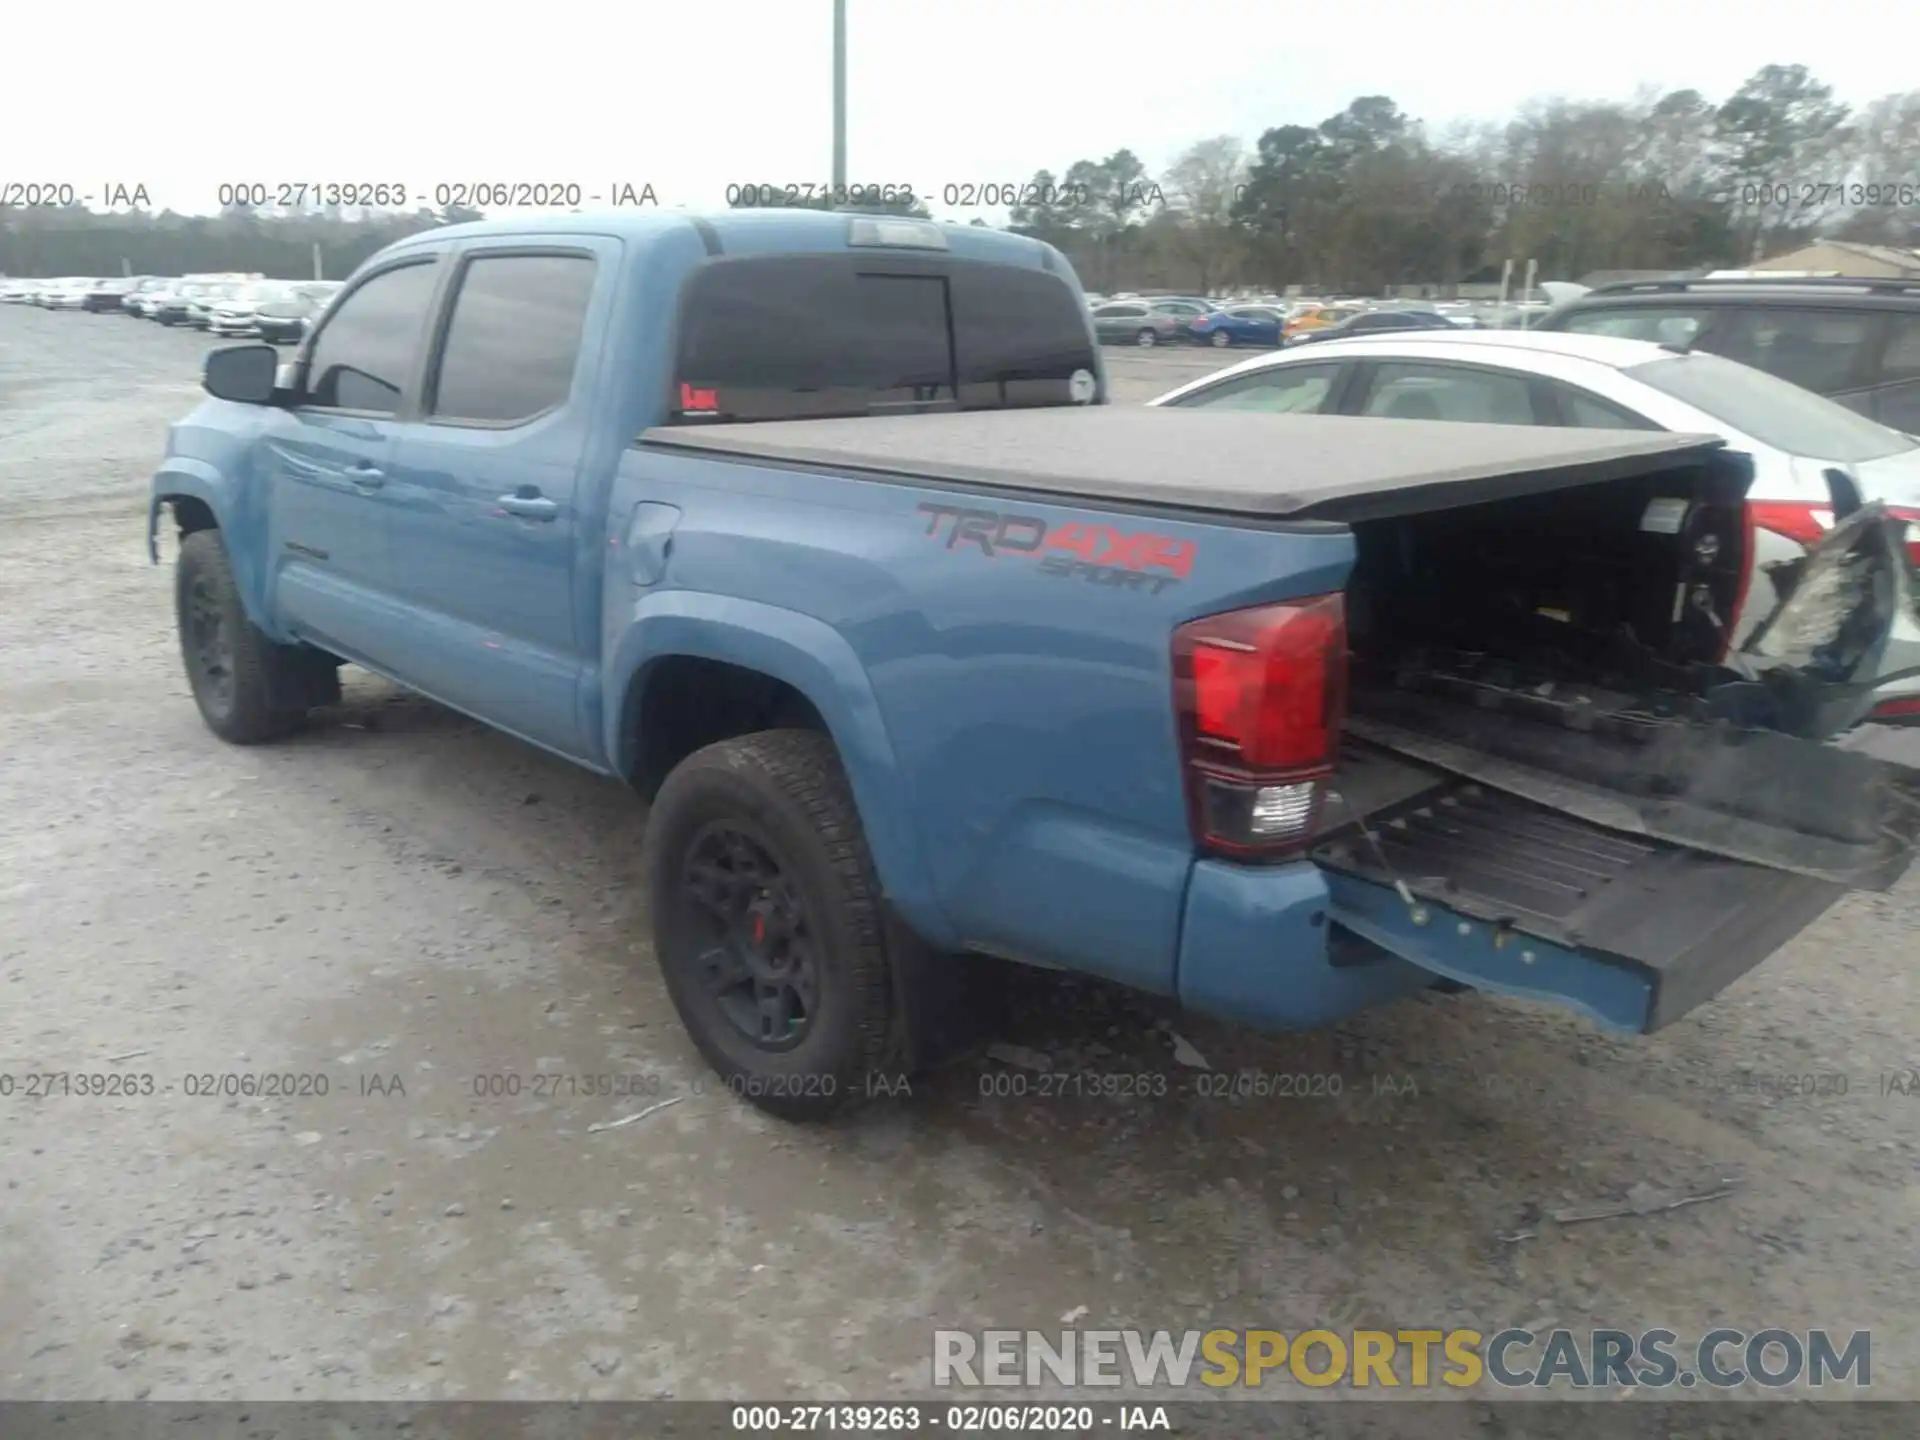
(818, 531)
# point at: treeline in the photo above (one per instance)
(1368, 198)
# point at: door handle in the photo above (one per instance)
(365, 477)
(529, 507)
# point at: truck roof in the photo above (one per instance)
(1264, 467)
(746, 231)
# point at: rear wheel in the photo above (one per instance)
(1146, 339)
(767, 922)
(249, 689)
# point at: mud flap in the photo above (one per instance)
(1482, 887)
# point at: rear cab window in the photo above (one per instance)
(792, 337)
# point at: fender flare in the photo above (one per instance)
(816, 660)
(182, 478)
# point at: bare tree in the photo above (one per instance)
(1883, 181)
(1201, 187)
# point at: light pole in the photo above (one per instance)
(840, 99)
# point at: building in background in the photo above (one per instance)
(1848, 258)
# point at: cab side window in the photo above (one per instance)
(364, 353)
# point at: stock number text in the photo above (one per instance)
(299, 194)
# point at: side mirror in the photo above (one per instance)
(241, 373)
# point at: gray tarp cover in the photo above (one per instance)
(1277, 467)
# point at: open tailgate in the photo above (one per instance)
(1505, 894)
(1630, 854)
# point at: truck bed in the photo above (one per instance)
(1327, 468)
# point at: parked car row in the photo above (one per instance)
(224, 305)
(1266, 323)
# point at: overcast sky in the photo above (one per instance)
(690, 96)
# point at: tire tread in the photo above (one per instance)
(267, 695)
(804, 767)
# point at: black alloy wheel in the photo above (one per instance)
(759, 959)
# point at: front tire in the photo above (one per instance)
(768, 924)
(249, 689)
(1221, 340)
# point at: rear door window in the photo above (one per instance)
(513, 337)
(1583, 410)
(1822, 350)
(798, 336)
(1662, 324)
(1282, 390)
(1896, 398)
(1408, 390)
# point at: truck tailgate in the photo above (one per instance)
(1507, 895)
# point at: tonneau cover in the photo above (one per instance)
(1272, 467)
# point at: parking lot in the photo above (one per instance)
(445, 924)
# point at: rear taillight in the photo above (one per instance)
(1792, 519)
(1807, 523)
(1905, 707)
(1912, 517)
(1259, 696)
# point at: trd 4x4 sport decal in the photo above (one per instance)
(1092, 551)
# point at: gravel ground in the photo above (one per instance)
(407, 904)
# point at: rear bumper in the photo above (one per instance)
(1256, 948)
(1462, 883)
